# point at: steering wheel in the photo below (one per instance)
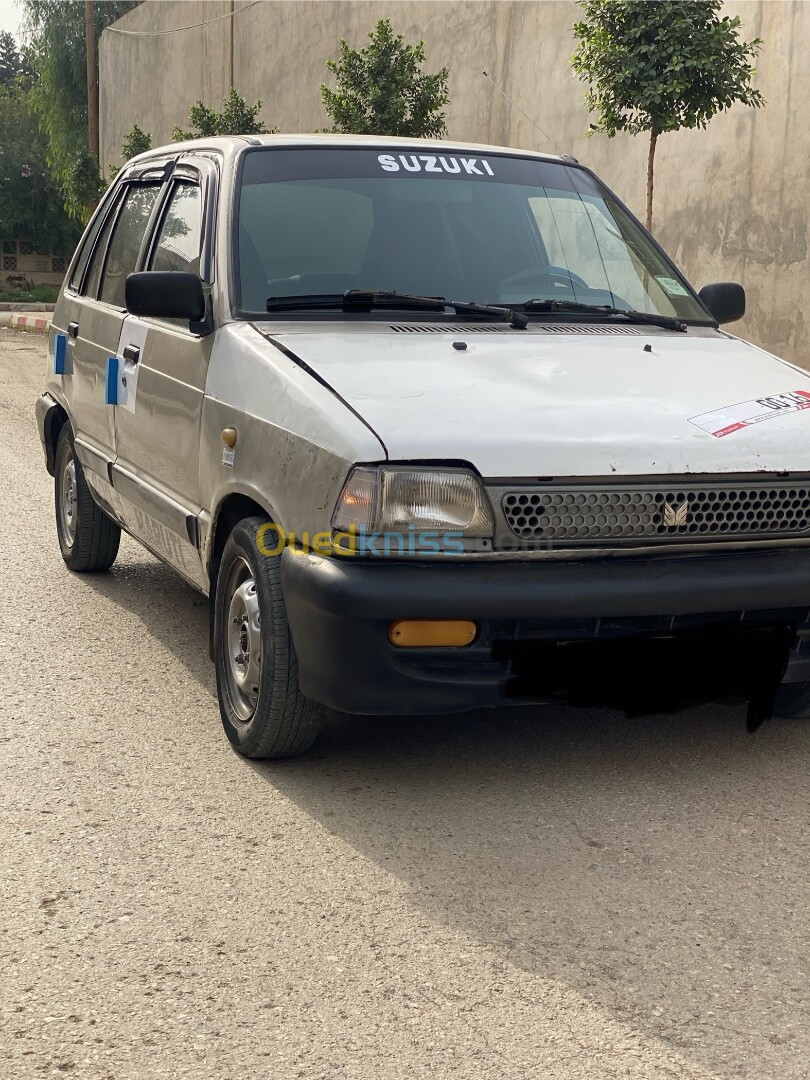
(553, 274)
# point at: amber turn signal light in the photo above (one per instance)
(422, 633)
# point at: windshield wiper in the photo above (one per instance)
(647, 317)
(365, 300)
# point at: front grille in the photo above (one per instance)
(561, 517)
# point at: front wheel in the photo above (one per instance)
(88, 539)
(793, 701)
(263, 711)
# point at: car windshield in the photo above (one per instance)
(495, 229)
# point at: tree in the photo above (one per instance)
(30, 200)
(135, 141)
(235, 118)
(382, 90)
(55, 30)
(12, 64)
(661, 65)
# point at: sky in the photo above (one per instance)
(10, 16)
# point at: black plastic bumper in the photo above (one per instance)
(340, 610)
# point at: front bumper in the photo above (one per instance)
(340, 610)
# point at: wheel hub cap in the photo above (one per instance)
(244, 647)
(67, 504)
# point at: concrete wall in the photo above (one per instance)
(731, 202)
(20, 261)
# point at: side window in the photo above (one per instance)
(130, 229)
(180, 237)
(93, 278)
(84, 254)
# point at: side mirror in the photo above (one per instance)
(725, 300)
(165, 294)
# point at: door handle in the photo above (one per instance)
(73, 329)
(132, 353)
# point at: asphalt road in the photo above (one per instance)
(511, 894)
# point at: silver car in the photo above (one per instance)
(434, 426)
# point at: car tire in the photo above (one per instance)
(793, 701)
(88, 538)
(263, 711)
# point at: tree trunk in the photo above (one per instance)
(650, 161)
(92, 78)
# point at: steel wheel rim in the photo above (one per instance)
(242, 640)
(68, 508)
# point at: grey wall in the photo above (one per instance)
(731, 202)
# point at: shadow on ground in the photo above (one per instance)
(658, 865)
(168, 608)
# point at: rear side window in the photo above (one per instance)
(84, 254)
(130, 229)
(97, 261)
(180, 237)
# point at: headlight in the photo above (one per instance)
(392, 499)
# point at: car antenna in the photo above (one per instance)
(534, 123)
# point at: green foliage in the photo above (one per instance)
(660, 65)
(57, 53)
(382, 90)
(37, 294)
(30, 200)
(136, 141)
(13, 66)
(235, 118)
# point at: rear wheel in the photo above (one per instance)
(88, 539)
(793, 701)
(263, 711)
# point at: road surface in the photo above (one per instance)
(511, 894)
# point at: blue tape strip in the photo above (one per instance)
(111, 390)
(59, 350)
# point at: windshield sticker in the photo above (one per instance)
(416, 162)
(671, 286)
(430, 163)
(745, 413)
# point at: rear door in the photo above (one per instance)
(88, 331)
(164, 363)
(95, 314)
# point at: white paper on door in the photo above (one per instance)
(133, 333)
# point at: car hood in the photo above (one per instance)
(522, 404)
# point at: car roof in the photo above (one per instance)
(230, 144)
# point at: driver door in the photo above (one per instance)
(163, 365)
